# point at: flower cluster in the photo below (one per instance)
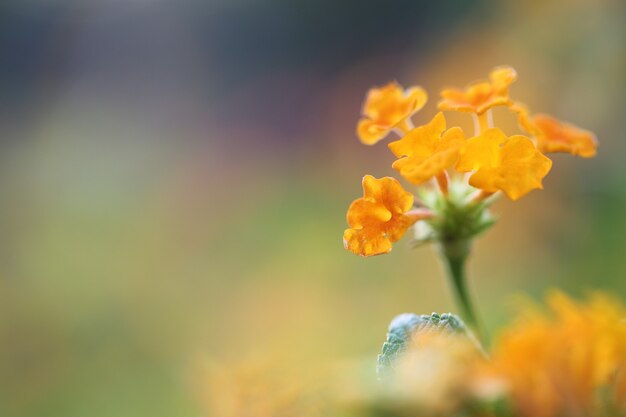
(467, 170)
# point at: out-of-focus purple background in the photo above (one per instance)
(174, 178)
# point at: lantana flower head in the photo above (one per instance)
(466, 173)
(386, 108)
(480, 96)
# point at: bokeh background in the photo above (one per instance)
(174, 178)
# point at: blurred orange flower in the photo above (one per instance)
(480, 96)
(555, 136)
(379, 218)
(512, 165)
(386, 108)
(568, 362)
(424, 153)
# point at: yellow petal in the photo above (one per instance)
(418, 171)
(511, 165)
(486, 179)
(482, 151)
(445, 153)
(420, 142)
(523, 167)
(452, 138)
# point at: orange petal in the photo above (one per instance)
(523, 118)
(388, 192)
(502, 77)
(366, 242)
(480, 96)
(370, 133)
(418, 97)
(555, 136)
(378, 218)
(364, 212)
(454, 99)
(381, 99)
(398, 226)
(387, 107)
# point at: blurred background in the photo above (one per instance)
(174, 177)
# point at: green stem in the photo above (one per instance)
(455, 254)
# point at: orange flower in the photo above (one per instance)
(480, 96)
(424, 153)
(512, 165)
(568, 362)
(388, 107)
(379, 218)
(555, 136)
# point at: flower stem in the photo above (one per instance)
(442, 182)
(454, 255)
(482, 122)
(403, 127)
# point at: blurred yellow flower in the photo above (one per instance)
(512, 165)
(379, 218)
(569, 362)
(257, 387)
(480, 96)
(386, 108)
(426, 151)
